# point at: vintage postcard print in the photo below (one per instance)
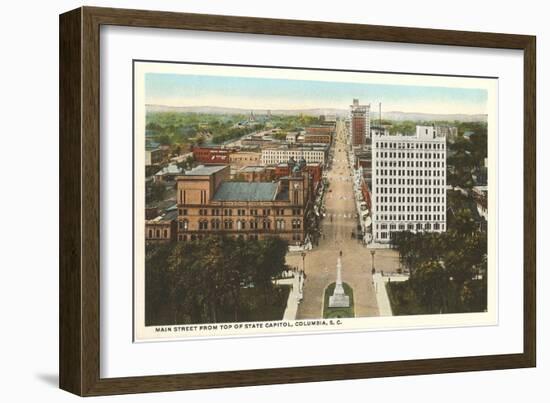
(270, 200)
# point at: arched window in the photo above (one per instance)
(228, 224)
(215, 224)
(241, 224)
(184, 225)
(203, 225)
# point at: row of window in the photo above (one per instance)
(251, 237)
(411, 190)
(217, 224)
(409, 199)
(417, 208)
(240, 212)
(283, 156)
(415, 145)
(410, 156)
(298, 154)
(409, 217)
(411, 172)
(410, 181)
(385, 235)
(410, 164)
(157, 234)
(411, 226)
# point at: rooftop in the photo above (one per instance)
(151, 145)
(168, 217)
(246, 191)
(252, 168)
(300, 147)
(170, 170)
(205, 170)
(163, 204)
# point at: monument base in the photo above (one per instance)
(338, 301)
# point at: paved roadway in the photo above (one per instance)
(336, 227)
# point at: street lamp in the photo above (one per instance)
(304, 262)
(372, 253)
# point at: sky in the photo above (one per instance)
(275, 93)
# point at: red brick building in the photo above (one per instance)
(212, 155)
(162, 228)
(324, 129)
(360, 123)
(253, 173)
(319, 134)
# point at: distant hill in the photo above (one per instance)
(243, 111)
(414, 116)
(393, 115)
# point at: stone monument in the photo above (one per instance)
(338, 299)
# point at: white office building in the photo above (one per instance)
(277, 155)
(408, 183)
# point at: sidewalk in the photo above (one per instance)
(300, 248)
(384, 306)
(294, 297)
(373, 245)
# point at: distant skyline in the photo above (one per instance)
(275, 93)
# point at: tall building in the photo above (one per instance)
(408, 183)
(208, 203)
(360, 123)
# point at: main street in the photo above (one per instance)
(336, 230)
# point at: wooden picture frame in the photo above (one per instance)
(79, 348)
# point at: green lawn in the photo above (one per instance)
(338, 312)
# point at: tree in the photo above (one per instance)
(202, 281)
(479, 147)
(460, 164)
(199, 140)
(272, 252)
(156, 284)
(153, 126)
(430, 282)
(164, 139)
(187, 163)
(212, 284)
(460, 253)
(158, 191)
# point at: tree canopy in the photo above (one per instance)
(203, 281)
